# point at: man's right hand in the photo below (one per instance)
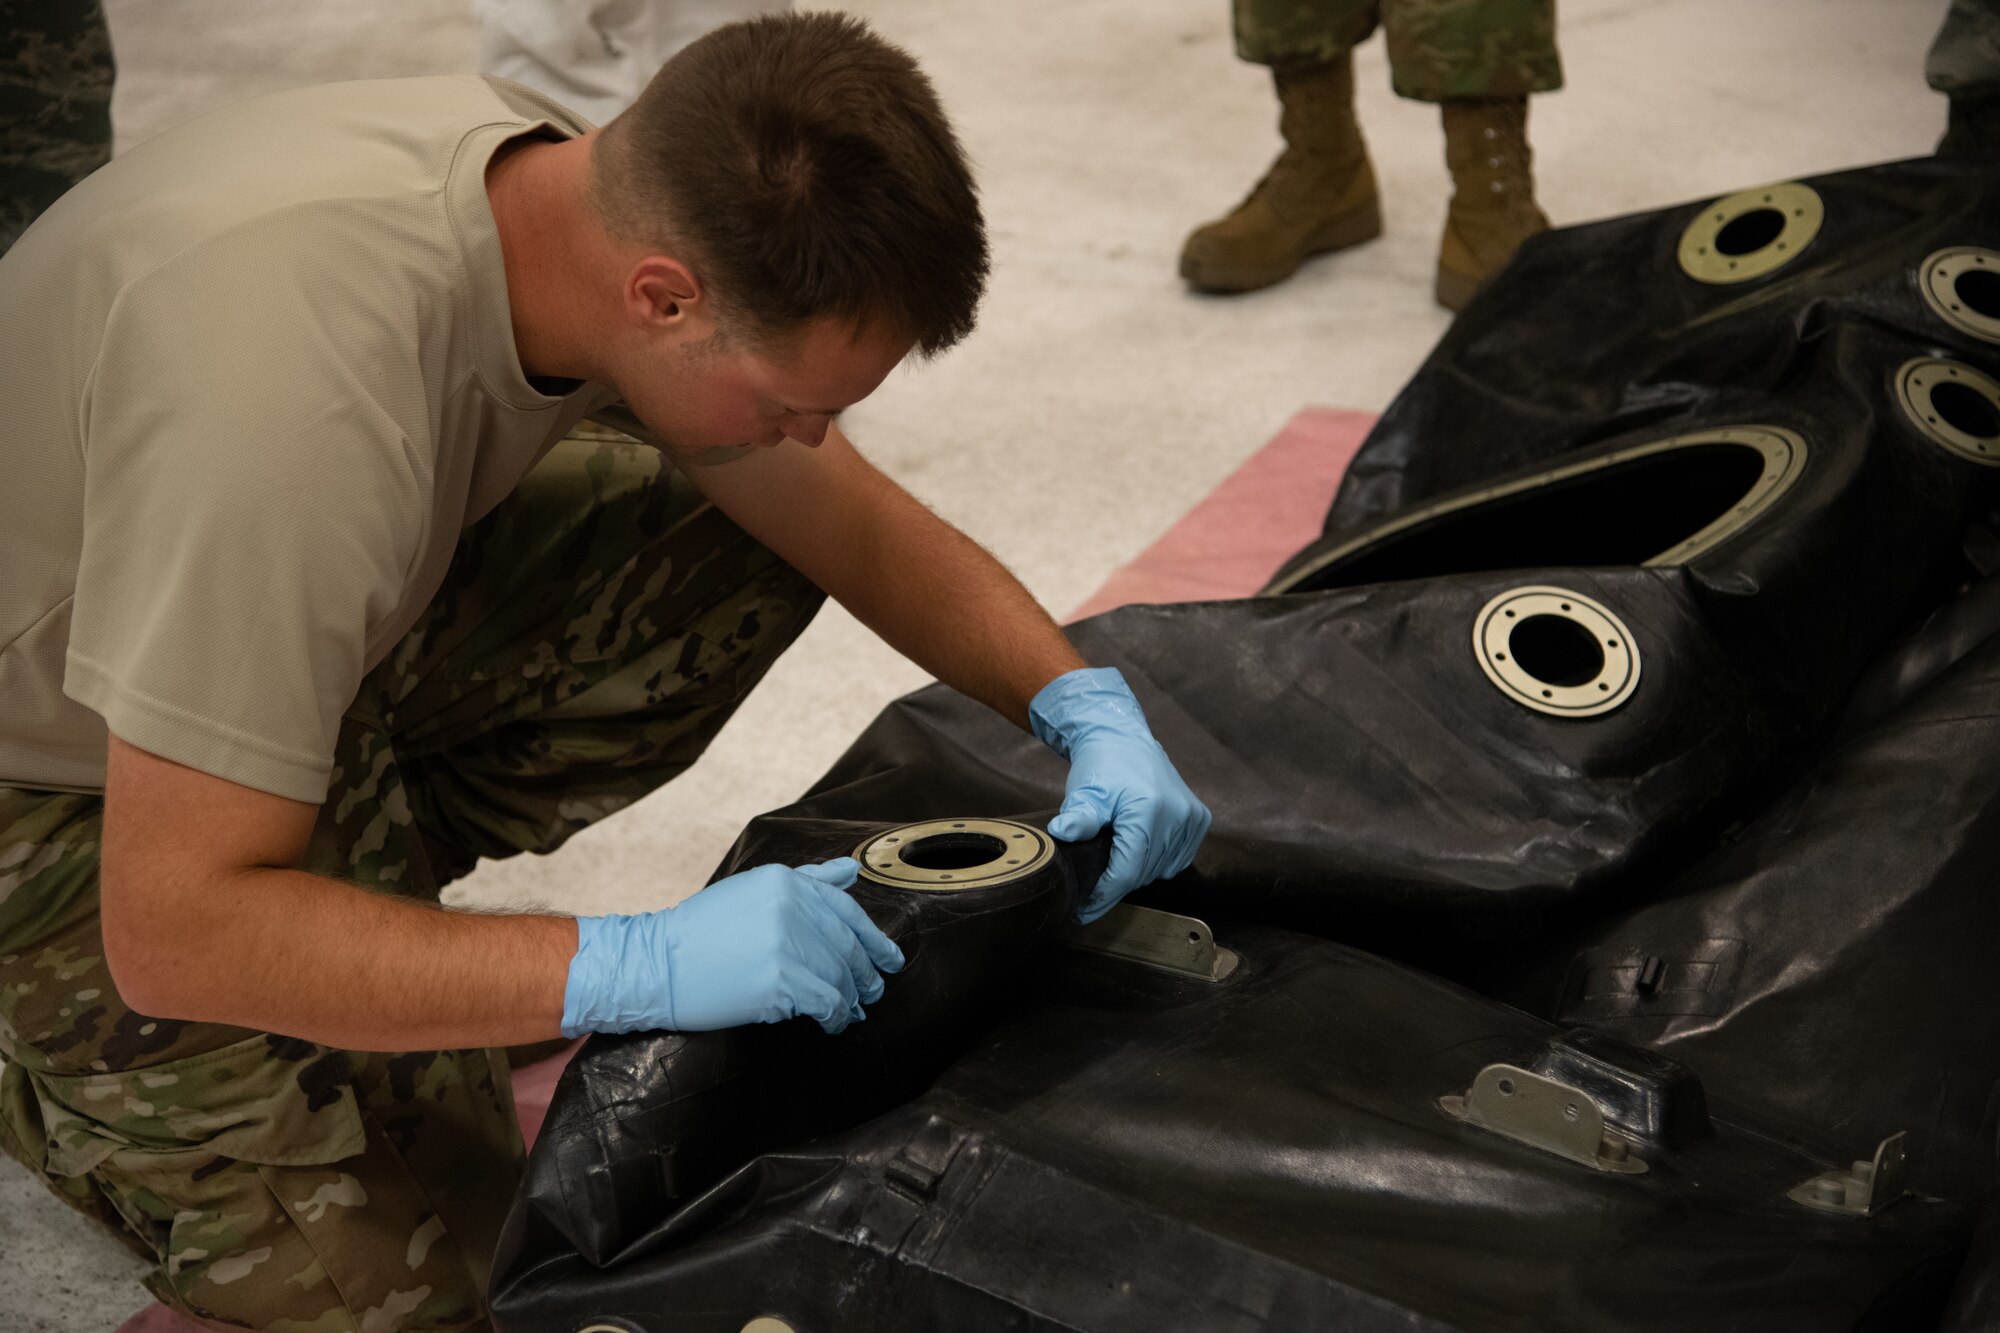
(758, 947)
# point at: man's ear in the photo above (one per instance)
(662, 293)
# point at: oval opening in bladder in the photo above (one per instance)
(953, 851)
(1624, 513)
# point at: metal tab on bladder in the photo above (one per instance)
(1543, 1113)
(1182, 944)
(1863, 1190)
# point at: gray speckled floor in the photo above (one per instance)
(1098, 401)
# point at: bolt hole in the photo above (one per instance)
(1506, 1086)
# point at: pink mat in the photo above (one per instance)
(1229, 545)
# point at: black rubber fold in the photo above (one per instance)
(1135, 1152)
(642, 1124)
(1750, 912)
(1593, 333)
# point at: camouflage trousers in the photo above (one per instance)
(1438, 49)
(55, 104)
(594, 633)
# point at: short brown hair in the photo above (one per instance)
(807, 167)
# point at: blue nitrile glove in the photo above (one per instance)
(758, 947)
(1118, 775)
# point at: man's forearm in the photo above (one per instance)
(285, 951)
(943, 601)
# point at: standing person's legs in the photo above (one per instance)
(1964, 65)
(1441, 50)
(55, 104)
(1479, 59)
(1319, 196)
(596, 57)
(595, 631)
(1301, 32)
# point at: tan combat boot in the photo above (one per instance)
(1318, 196)
(1493, 200)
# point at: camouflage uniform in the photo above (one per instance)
(1438, 49)
(593, 634)
(55, 104)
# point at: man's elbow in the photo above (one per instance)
(144, 948)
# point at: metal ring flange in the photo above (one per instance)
(1492, 640)
(1938, 280)
(1917, 384)
(1020, 850)
(1800, 209)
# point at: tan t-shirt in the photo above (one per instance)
(257, 374)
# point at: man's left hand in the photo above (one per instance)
(1118, 775)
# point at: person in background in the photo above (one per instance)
(1478, 59)
(1964, 65)
(594, 56)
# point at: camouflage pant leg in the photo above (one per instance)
(1438, 49)
(55, 104)
(1274, 32)
(1964, 61)
(273, 1183)
(594, 633)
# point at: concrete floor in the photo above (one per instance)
(1098, 401)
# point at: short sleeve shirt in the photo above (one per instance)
(258, 374)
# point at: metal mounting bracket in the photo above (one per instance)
(1862, 1191)
(1543, 1113)
(1182, 944)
